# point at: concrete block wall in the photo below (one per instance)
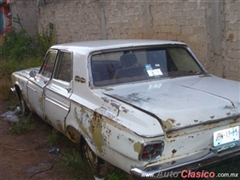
(210, 28)
(27, 12)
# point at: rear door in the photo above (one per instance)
(58, 90)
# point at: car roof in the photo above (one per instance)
(89, 46)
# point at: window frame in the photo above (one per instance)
(92, 85)
(59, 60)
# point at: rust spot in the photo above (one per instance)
(195, 120)
(172, 140)
(74, 135)
(234, 120)
(131, 141)
(172, 134)
(108, 133)
(118, 137)
(173, 152)
(171, 120)
(60, 126)
(80, 79)
(173, 162)
(167, 124)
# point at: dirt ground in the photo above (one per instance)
(24, 156)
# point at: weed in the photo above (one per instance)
(118, 175)
(20, 51)
(75, 166)
(53, 138)
(45, 40)
(24, 125)
(17, 45)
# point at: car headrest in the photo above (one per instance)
(128, 60)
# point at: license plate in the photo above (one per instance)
(226, 136)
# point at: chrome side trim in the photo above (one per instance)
(57, 103)
(34, 90)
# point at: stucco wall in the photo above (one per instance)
(210, 28)
(26, 10)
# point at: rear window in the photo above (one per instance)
(142, 64)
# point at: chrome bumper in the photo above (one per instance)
(211, 158)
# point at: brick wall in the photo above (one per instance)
(210, 28)
(26, 10)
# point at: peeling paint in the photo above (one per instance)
(195, 120)
(60, 126)
(40, 100)
(171, 120)
(96, 129)
(137, 147)
(167, 124)
(80, 79)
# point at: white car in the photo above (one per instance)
(144, 106)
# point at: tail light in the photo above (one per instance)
(151, 151)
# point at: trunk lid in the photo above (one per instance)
(183, 102)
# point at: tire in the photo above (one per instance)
(90, 157)
(22, 104)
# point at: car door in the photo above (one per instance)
(36, 85)
(58, 90)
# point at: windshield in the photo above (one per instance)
(142, 64)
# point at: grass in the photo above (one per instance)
(24, 125)
(8, 66)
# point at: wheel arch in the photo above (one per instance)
(73, 134)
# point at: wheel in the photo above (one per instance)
(91, 158)
(22, 104)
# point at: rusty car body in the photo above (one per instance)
(145, 106)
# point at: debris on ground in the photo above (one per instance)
(11, 115)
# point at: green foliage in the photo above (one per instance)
(75, 166)
(24, 125)
(118, 175)
(53, 138)
(17, 44)
(20, 51)
(44, 40)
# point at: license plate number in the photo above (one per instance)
(226, 136)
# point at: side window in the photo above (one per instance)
(47, 67)
(64, 69)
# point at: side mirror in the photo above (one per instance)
(32, 74)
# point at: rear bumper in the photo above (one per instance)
(156, 171)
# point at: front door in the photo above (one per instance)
(36, 85)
